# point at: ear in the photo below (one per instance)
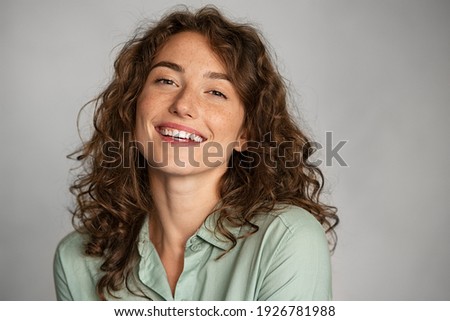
(241, 143)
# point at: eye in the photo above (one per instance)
(218, 94)
(165, 81)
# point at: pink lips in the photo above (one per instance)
(179, 127)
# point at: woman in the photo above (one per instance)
(197, 184)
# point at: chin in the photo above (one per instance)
(186, 167)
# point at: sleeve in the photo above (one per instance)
(300, 268)
(60, 279)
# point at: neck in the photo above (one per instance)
(182, 203)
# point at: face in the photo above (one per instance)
(189, 115)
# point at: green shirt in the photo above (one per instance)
(286, 259)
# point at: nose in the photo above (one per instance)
(185, 104)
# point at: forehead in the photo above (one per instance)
(189, 48)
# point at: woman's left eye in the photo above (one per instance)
(218, 93)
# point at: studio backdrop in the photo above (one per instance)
(369, 80)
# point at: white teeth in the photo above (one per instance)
(180, 134)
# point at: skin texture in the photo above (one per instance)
(186, 86)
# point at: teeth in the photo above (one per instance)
(180, 134)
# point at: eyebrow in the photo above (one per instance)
(168, 64)
(178, 68)
(216, 75)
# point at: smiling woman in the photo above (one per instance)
(218, 200)
(188, 100)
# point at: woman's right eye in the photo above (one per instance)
(165, 81)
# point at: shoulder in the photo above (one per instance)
(295, 258)
(289, 231)
(290, 220)
(70, 252)
(72, 245)
(75, 273)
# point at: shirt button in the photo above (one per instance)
(196, 247)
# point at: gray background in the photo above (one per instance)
(374, 73)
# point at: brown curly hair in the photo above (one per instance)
(112, 192)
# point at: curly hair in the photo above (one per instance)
(113, 201)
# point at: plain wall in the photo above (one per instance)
(374, 73)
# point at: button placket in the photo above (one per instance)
(187, 280)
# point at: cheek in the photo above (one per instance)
(145, 112)
(143, 129)
(231, 124)
(140, 122)
(140, 132)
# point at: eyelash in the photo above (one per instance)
(165, 81)
(218, 94)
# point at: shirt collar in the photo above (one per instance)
(207, 232)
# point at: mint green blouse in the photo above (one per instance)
(287, 259)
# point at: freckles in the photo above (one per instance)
(145, 106)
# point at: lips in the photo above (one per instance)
(179, 133)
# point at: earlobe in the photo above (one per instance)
(241, 143)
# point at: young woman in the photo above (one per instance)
(197, 184)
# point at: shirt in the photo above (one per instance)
(287, 259)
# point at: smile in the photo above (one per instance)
(180, 135)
